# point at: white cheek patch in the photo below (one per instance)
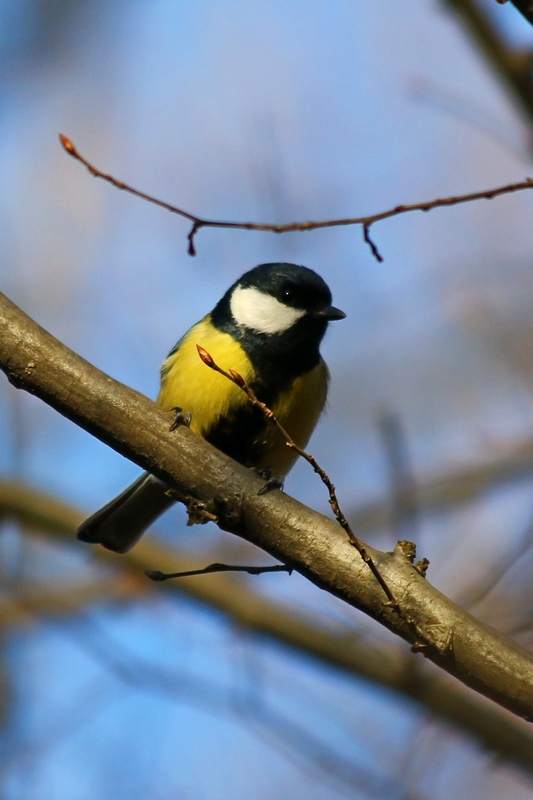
(261, 312)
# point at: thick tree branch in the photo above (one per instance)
(315, 546)
(341, 648)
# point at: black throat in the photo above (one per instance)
(278, 358)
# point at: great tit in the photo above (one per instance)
(268, 328)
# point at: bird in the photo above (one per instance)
(268, 328)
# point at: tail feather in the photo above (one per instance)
(122, 522)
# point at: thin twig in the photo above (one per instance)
(366, 221)
(239, 381)
(156, 575)
(370, 242)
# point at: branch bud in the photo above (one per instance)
(67, 144)
(238, 379)
(206, 358)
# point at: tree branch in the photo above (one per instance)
(365, 222)
(312, 544)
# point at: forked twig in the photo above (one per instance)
(365, 222)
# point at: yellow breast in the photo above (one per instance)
(188, 383)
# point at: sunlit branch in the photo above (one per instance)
(365, 221)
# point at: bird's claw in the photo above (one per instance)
(181, 417)
(271, 482)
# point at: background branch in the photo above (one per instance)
(338, 647)
(452, 488)
(512, 66)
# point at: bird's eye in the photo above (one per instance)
(286, 295)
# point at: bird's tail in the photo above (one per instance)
(122, 522)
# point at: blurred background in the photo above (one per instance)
(112, 687)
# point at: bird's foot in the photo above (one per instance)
(181, 417)
(271, 482)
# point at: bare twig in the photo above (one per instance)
(370, 242)
(239, 381)
(366, 221)
(156, 575)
